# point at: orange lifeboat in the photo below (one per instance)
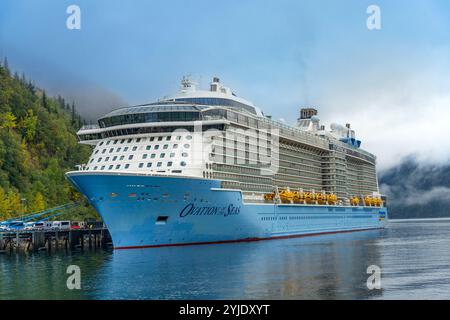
(299, 197)
(368, 201)
(354, 201)
(321, 198)
(269, 197)
(332, 199)
(286, 196)
(310, 198)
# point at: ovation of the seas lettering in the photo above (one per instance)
(192, 210)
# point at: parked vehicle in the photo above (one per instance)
(78, 225)
(15, 225)
(95, 224)
(61, 225)
(38, 225)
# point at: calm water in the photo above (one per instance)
(414, 257)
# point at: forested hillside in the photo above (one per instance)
(38, 145)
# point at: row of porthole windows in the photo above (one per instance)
(144, 156)
(141, 165)
(162, 155)
(137, 140)
(156, 147)
(299, 218)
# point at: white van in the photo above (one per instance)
(61, 225)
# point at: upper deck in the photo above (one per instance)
(215, 108)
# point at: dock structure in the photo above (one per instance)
(38, 240)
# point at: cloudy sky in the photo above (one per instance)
(392, 85)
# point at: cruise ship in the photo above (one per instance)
(206, 166)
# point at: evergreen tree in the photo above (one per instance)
(6, 66)
(44, 100)
(73, 114)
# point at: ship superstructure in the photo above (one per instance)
(215, 140)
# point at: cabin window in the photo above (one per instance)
(162, 219)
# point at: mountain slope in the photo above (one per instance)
(37, 145)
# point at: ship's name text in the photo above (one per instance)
(192, 210)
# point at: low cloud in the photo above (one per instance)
(416, 183)
(423, 197)
(91, 102)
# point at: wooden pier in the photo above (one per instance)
(37, 240)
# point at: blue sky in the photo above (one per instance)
(278, 54)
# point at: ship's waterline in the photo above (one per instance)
(209, 167)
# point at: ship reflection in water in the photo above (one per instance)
(413, 257)
(328, 267)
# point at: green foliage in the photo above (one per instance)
(38, 144)
(7, 121)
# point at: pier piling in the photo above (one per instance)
(37, 240)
